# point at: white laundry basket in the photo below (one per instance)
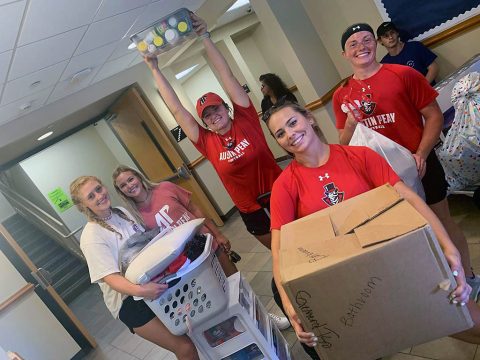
(198, 291)
(199, 294)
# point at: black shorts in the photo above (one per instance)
(257, 222)
(434, 182)
(135, 314)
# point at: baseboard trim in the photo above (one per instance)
(229, 214)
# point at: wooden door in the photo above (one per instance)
(142, 136)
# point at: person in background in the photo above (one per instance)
(232, 140)
(410, 53)
(102, 239)
(166, 205)
(303, 189)
(273, 88)
(398, 102)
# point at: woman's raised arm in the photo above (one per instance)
(182, 116)
(235, 91)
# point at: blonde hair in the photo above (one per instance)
(75, 188)
(129, 202)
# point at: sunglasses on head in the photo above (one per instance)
(280, 102)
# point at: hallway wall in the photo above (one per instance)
(258, 51)
(331, 18)
(6, 209)
(84, 153)
(21, 183)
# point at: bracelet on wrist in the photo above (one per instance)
(205, 35)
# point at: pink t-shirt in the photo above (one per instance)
(168, 208)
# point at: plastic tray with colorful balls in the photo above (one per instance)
(164, 34)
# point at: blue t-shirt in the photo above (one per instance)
(413, 54)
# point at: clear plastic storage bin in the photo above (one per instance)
(164, 34)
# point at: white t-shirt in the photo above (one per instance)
(101, 248)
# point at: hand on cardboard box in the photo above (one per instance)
(305, 337)
(462, 292)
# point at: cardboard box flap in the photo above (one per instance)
(357, 211)
(355, 218)
(308, 257)
(299, 244)
(318, 229)
(399, 220)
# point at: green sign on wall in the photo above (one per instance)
(61, 200)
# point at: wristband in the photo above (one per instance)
(205, 35)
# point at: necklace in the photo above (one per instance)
(108, 217)
(147, 198)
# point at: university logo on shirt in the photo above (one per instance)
(332, 195)
(368, 106)
(164, 221)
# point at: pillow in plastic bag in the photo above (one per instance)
(397, 156)
(156, 257)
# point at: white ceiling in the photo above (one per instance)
(43, 43)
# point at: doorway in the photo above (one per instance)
(137, 128)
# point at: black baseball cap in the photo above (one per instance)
(352, 29)
(386, 27)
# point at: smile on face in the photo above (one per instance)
(291, 129)
(361, 48)
(95, 196)
(130, 185)
(217, 119)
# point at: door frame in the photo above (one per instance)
(49, 296)
(170, 152)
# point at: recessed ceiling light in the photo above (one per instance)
(185, 72)
(44, 136)
(80, 75)
(237, 4)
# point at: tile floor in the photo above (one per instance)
(116, 342)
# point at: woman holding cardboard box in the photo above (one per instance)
(323, 175)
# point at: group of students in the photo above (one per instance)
(233, 141)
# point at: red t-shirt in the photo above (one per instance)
(168, 208)
(390, 102)
(248, 169)
(349, 171)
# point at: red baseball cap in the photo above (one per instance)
(206, 100)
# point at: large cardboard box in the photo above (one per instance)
(364, 276)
